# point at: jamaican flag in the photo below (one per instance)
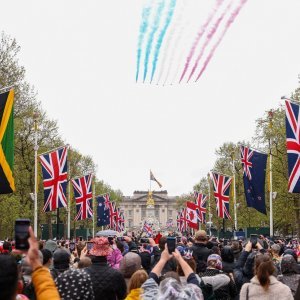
(7, 183)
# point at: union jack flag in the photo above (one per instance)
(293, 145)
(106, 201)
(83, 195)
(221, 185)
(246, 155)
(169, 223)
(182, 220)
(112, 215)
(54, 169)
(119, 220)
(147, 228)
(201, 201)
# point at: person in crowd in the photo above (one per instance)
(236, 249)
(75, 284)
(61, 262)
(47, 258)
(51, 246)
(290, 273)
(107, 282)
(244, 269)
(214, 267)
(200, 250)
(171, 264)
(276, 258)
(227, 259)
(9, 278)
(42, 281)
(147, 257)
(115, 256)
(170, 288)
(264, 285)
(135, 283)
(130, 263)
(84, 262)
(188, 258)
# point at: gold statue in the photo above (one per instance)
(150, 201)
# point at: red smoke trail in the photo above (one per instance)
(209, 38)
(199, 35)
(228, 24)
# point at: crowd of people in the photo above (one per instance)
(134, 267)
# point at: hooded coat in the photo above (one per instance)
(290, 275)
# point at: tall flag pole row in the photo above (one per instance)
(55, 177)
(55, 173)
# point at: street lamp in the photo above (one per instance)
(36, 148)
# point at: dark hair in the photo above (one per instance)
(216, 250)
(162, 243)
(191, 262)
(172, 274)
(47, 255)
(120, 246)
(8, 277)
(227, 254)
(7, 246)
(264, 268)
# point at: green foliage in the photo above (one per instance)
(26, 105)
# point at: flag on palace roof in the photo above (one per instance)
(7, 183)
(154, 179)
(54, 169)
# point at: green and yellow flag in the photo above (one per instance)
(7, 183)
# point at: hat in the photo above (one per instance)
(101, 247)
(201, 235)
(74, 284)
(61, 259)
(51, 245)
(217, 258)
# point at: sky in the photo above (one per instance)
(81, 58)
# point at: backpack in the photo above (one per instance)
(207, 291)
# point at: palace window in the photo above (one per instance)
(130, 213)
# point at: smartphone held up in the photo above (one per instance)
(22, 234)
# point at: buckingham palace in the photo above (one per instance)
(156, 207)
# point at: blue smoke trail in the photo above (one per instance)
(162, 35)
(143, 29)
(151, 36)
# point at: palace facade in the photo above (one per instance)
(136, 209)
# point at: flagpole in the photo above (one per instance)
(69, 199)
(209, 212)
(52, 150)
(36, 147)
(94, 193)
(150, 180)
(234, 194)
(69, 210)
(270, 114)
(271, 197)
